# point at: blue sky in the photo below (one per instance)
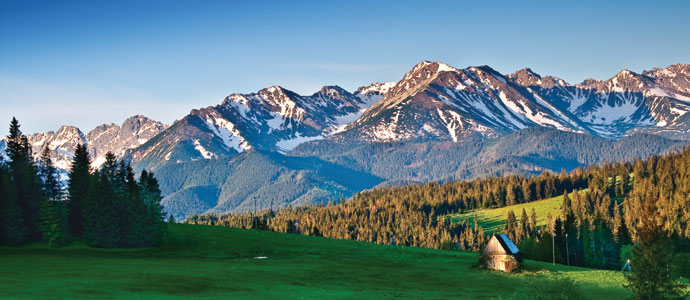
(86, 63)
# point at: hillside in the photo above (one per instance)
(205, 262)
(493, 220)
(266, 179)
(529, 151)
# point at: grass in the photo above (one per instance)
(493, 220)
(205, 262)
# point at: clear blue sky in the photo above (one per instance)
(85, 63)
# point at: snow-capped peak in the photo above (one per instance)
(379, 88)
(135, 131)
(331, 90)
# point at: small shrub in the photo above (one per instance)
(556, 289)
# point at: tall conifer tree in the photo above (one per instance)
(100, 217)
(154, 219)
(78, 187)
(651, 276)
(12, 230)
(24, 178)
(52, 218)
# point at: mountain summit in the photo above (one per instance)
(133, 132)
(436, 101)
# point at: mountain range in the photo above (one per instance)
(117, 139)
(433, 101)
(278, 148)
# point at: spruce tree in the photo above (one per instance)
(566, 206)
(78, 187)
(527, 191)
(51, 185)
(511, 225)
(52, 222)
(24, 178)
(100, 218)
(122, 204)
(533, 222)
(523, 227)
(12, 230)
(154, 219)
(135, 212)
(511, 196)
(651, 276)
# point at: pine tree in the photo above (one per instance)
(651, 276)
(566, 206)
(78, 187)
(527, 191)
(618, 227)
(51, 186)
(12, 230)
(154, 224)
(100, 217)
(533, 222)
(52, 224)
(511, 225)
(109, 167)
(511, 197)
(123, 207)
(523, 227)
(135, 212)
(24, 178)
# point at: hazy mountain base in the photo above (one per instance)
(322, 172)
(529, 151)
(253, 178)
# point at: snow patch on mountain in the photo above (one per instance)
(289, 144)
(204, 153)
(453, 122)
(607, 114)
(577, 98)
(681, 97)
(659, 92)
(513, 107)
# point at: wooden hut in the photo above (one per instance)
(500, 254)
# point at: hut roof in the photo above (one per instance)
(507, 244)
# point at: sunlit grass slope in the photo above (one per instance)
(493, 220)
(203, 262)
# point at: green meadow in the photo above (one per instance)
(493, 220)
(205, 262)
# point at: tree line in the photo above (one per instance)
(415, 215)
(105, 207)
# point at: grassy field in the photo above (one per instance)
(205, 262)
(493, 220)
